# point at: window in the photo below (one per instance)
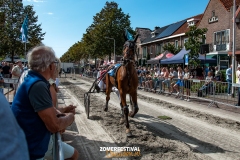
(152, 49)
(204, 39)
(184, 41)
(144, 52)
(221, 37)
(176, 43)
(153, 34)
(158, 49)
(221, 40)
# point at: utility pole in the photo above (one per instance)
(234, 48)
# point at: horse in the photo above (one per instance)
(126, 81)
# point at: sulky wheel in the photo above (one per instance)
(87, 104)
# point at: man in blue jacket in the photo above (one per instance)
(32, 104)
(229, 79)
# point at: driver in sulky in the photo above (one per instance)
(102, 79)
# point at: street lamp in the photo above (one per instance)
(113, 47)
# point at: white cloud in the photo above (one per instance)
(50, 13)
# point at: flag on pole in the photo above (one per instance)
(128, 35)
(24, 30)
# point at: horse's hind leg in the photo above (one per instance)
(135, 108)
(108, 91)
(122, 120)
(126, 112)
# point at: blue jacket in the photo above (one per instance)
(36, 133)
(229, 74)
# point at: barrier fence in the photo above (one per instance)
(214, 92)
(8, 88)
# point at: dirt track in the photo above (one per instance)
(183, 137)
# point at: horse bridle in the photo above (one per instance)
(131, 47)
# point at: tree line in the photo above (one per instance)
(110, 22)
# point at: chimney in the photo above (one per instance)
(156, 28)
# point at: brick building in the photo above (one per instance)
(217, 18)
(174, 33)
(143, 34)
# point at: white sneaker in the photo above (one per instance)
(188, 100)
(185, 99)
(177, 93)
(229, 94)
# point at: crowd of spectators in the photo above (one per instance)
(176, 79)
(173, 80)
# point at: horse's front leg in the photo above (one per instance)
(135, 108)
(108, 91)
(126, 112)
(131, 103)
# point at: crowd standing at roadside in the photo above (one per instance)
(175, 80)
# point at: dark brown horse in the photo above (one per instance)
(127, 82)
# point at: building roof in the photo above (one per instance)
(150, 38)
(229, 3)
(142, 28)
(184, 28)
(170, 29)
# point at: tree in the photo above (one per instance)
(109, 22)
(171, 48)
(195, 37)
(12, 16)
(10, 27)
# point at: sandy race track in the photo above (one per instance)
(190, 134)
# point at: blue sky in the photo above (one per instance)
(65, 21)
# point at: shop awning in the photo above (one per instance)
(217, 53)
(236, 52)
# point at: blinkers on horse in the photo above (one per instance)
(127, 47)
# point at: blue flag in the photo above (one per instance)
(24, 30)
(128, 35)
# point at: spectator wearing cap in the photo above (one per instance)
(16, 73)
(17, 70)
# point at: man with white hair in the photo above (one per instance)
(33, 106)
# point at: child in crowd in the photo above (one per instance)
(187, 84)
(179, 84)
(208, 83)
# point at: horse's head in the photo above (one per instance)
(129, 49)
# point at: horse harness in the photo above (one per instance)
(130, 58)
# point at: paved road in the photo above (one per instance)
(214, 141)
